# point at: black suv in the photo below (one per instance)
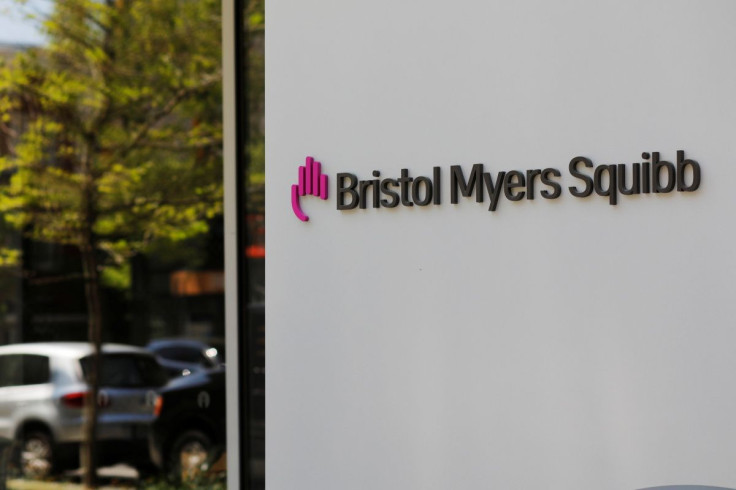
(189, 434)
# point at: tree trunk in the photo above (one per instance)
(94, 325)
(88, 250)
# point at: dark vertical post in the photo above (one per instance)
(243, 360)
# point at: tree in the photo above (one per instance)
(116, 138)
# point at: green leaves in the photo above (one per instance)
(115, 127)
(9, 257)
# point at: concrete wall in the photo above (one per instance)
(552, 343)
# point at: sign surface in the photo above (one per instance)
(572, 342)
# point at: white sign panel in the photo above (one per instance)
(518, 267)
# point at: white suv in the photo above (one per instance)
(42, 394)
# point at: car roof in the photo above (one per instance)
(67, 349)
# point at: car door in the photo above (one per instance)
(25, 391)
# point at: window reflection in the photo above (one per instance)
(111, 222)
(252, 221)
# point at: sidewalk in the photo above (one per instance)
(112, 477)
(39, 485)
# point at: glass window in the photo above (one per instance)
(252, 232)
(111, 227)
(127, 371)
(182, 354)
(35, 370)
(10, 370)
(24, 369)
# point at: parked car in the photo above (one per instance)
(184, 356)
(42, 395)
(189, 433)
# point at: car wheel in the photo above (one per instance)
(190, 455)
(35, 458)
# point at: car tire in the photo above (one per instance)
(189, 456)
(35, 457)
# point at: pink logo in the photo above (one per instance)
(311, 182)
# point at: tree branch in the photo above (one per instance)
(168, 108)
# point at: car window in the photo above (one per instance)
(128, 371)
(185, 354)
(35, 370)
(24, 369)
(10, 370)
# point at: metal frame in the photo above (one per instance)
(234, 390)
